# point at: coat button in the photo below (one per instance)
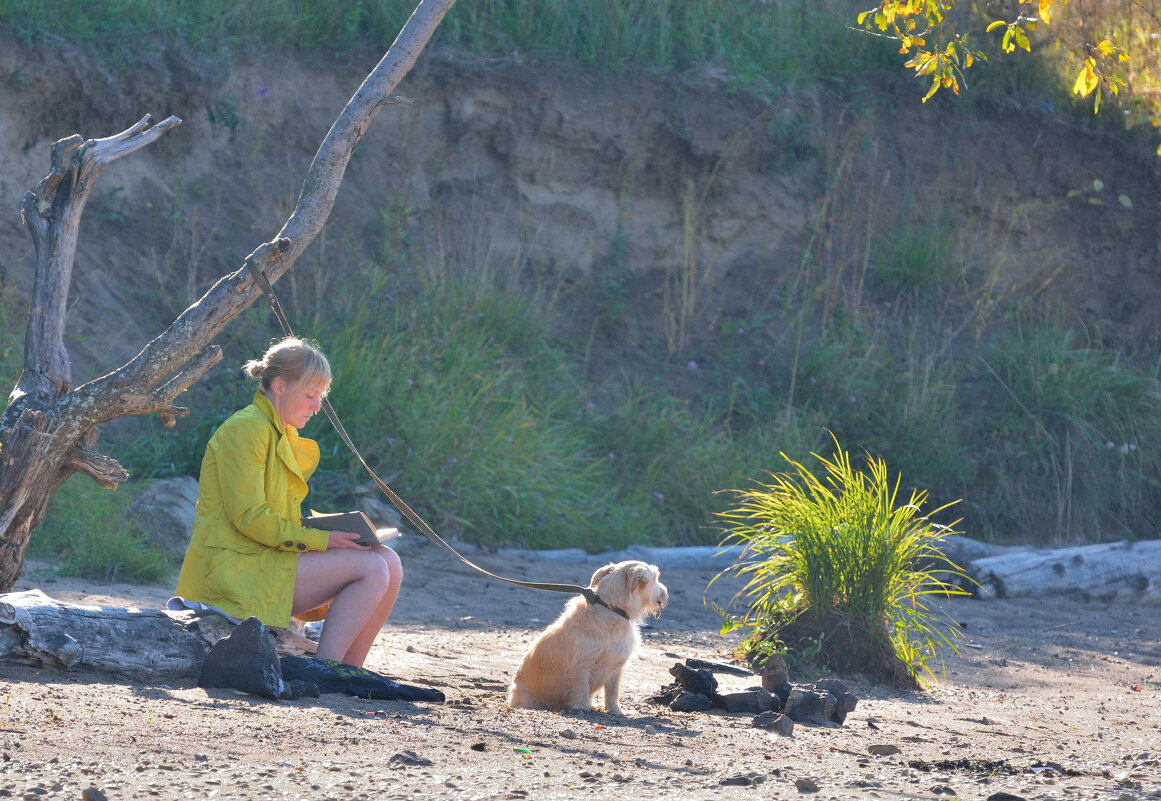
(288, 544)
(301, 546)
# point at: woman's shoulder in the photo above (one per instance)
(249, 421)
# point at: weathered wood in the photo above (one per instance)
(125, 643)
(1119, 571)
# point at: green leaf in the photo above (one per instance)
(1125, 201)
(995, 25)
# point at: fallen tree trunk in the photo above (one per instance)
(1118, 571)
(124, 643)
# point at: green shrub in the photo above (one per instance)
(836, 567)
(86, 532)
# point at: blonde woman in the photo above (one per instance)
(250, 555)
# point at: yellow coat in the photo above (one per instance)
(243, 556)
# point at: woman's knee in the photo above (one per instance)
(393, 562)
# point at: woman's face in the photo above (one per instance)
(296, 403)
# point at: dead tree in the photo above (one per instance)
(49, 429)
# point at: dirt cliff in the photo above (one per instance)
(571, 183)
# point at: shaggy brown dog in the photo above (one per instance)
(586, 648)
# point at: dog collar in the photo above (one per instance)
(592, 597)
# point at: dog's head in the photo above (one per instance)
(633, 586)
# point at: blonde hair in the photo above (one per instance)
(293, 360)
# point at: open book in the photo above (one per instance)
(357, 522)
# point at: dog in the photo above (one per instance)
(585, 649)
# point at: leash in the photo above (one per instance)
(589, 594)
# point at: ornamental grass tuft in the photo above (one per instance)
(840, 575)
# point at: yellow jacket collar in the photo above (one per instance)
(299, 454)
(267, 407)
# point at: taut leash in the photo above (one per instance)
(589, 594)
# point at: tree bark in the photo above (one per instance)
(49, 430)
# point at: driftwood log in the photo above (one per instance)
(123, 643)
(1116, 571)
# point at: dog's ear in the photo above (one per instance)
(642, 575)
(600, 574)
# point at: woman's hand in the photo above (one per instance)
(344, 539)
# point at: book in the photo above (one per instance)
(356, 522)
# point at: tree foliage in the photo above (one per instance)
(1114, 50)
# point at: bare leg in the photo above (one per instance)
(361, 587)
(361, 646)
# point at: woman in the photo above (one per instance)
(250, 555)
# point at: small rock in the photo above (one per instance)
(883, 749)
(1002, 796)
(806, 786)
(479, 746)
(668, 694)
(753, 700)
(407, 759)
(942, 789)
(845, 700)
(701, 682)
(828, 703)
(805, 706)
(568, 734)
(774, 672)
(691, 702)
(782, 692)
(775, 722)
(650, 729)
(92, 794)
(749, 779)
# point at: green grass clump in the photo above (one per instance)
(829, 557)
(1077, 424)
(87, 532)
